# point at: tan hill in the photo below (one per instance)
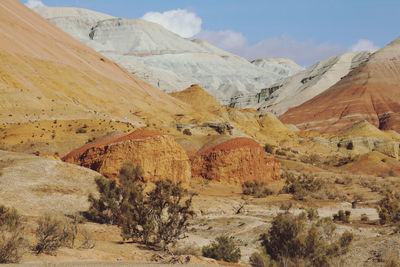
(36, 186)
(47, 74)
(197, 97)
(366, 129)
(370, 92)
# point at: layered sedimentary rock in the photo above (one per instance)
(47, 74)
(235, 161)
(302, 86)
(163, 58)
(158, 155)
(370, 92)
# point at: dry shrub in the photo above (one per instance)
(256, 189)
(389, 208)
(222, 248)
(342, 216)
(302, 185)
(12, 244)
(51, 234)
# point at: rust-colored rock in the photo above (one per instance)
(234, 162)
(158, 154)
(370, 92)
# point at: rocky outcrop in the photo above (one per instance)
(303, 85)
(370, 92)
(234, 162)
(159, 156)
(166, 60)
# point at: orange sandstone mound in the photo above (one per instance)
(234, 162)
(158, 154)
(370, 92)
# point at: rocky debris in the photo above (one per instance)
(36, 186)
(303, 85)
(219, 127)
(234, 162)
(363, 145)
(158, 154)
(164, 59)
(369, 92)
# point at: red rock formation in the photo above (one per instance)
(234, 162)
(370, 92)
(159, 155)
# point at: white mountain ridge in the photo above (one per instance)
(166, 60)
(301, 87)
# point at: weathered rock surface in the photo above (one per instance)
(370, 92)
(302, 86)
(166, 60)
(36, 186)
(46, 74)
(159, 156)
(234, 162)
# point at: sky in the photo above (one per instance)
(305, 31)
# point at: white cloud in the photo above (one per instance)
(179, 21)
(362, 45)
(34, 3)
(227, 40)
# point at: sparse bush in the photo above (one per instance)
(51, 234)
(223, 248)
(301, 186)
(262, 259)
(269, 148)
(159, 217)
(187, 132)
(342, 216)
(256, 189)
(364, 217)
(12, 244)
(389, 208)
(81, 130)
(294, 240)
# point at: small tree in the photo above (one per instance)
(294, 239)
(170, 212)
(223, 248)
(159, 217)
(12, 244)
(51, 234)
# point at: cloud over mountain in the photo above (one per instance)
(180, 21)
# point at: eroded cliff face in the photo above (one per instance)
(158, 154)
(234, 162)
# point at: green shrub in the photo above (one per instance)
(342, 216)
(51, 234)
(296, 240)
(256, 189)
(159, 217)
(389, 208)
(223, 248)
(12, 244)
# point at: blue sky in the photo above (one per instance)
(304, 30)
